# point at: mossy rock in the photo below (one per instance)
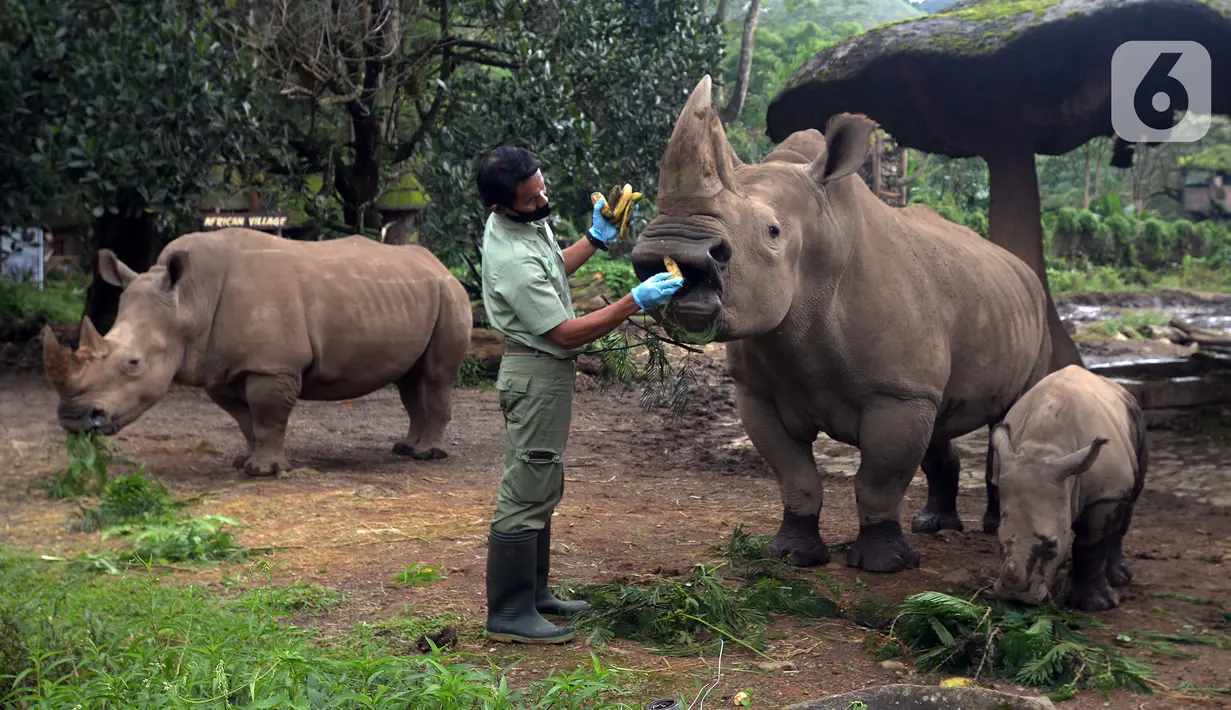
(1036, 62)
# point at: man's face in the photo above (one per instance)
(531, 195)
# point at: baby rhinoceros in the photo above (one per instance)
(1070, 462)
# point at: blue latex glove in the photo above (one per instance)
(655, 291)
(603, 230)
(600, 228)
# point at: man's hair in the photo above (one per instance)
(500, 173)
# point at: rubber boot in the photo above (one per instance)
(544, 600)
(511, 572)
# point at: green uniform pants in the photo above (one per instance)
(536, 397)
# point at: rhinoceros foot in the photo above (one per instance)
(239, 461)
(1118, 574)
(799, 539)
(1092, 596)
(403, 449)
(933, 521)
(261, 464)
(882, 547)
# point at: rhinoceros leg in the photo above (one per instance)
(427, 394)
(893, 435)
(238, 409)
(942, 467)
(1096, 532)
(1118, 574)
(799, 536)
(991, 516)
(270, 400)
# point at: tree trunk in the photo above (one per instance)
(740, 93)
(135, 241)
(400, 230)
(1015, 223)
(721, 13)
(1085, 191)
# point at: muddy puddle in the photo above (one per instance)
(1212, 312)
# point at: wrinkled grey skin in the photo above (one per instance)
(1070, 461)
(888, 329)
(260, 322)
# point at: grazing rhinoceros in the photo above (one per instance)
(260, 321)
(888, 329)
(1070, 460)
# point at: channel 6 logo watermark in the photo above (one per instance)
(1160, 91)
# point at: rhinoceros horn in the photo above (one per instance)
(699, 162)
(57, 359)
(90, 340)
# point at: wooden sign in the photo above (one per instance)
(264, 222)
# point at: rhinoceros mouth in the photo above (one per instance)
(701, 252)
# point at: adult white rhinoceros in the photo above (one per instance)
(888, 329)
(259, 322)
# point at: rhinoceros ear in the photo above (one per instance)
(1076, 463)
(176, 267)
(698, 162)
(1003, 446)
(114, 271)
(848, 139)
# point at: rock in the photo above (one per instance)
(950, 535)
(927, 697)
(777, 666)
(487, 346)
(892, 665)
(961, 577)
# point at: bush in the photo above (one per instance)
(24, 309)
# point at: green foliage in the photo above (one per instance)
(692, 614)
(662, 384)
(203, 539)
(24, 309)
(593, 104)
(89, 455)
(162, 646)
(1036, 646)
(474, 374)
(617, 273)
(303, 597)
(131, 499)
(123, 106)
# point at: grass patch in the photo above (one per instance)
(417, 574)
(301, 598)
(204, 539)
(1036, 646)
(89, 641)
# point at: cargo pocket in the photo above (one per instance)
(542, 478)
(513, 390)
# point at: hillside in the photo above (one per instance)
(868, 13)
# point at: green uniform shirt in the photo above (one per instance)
(525, 290)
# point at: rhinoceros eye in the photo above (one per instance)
(774, 230)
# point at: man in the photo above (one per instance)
(526, 297)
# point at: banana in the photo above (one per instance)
(672, 267)
(618, 209)
(625, 219)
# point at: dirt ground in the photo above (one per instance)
(644, 497)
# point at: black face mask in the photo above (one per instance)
(525, 217)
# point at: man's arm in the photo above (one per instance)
(578, 253)
(576, 332)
